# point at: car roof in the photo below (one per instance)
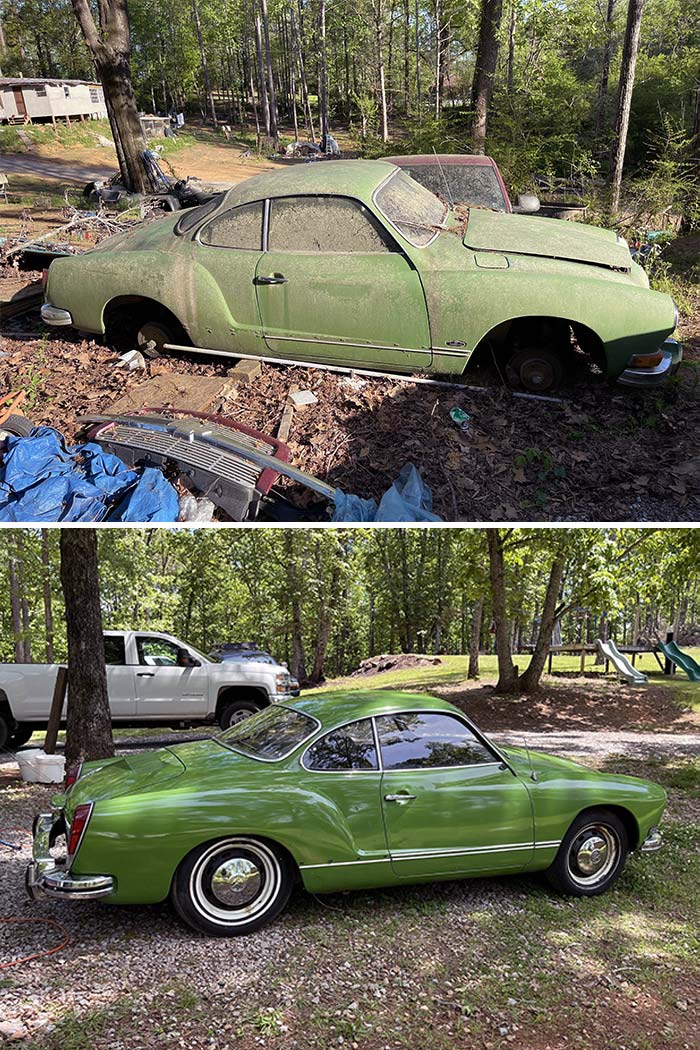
(418, 160)
(337, 707)
(352, 178)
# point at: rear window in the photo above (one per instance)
(271, 734)
(411, 208)
(471, 184)
(191, 216)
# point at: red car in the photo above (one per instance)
(464, 179)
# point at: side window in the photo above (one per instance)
(114, 651)
(421, 740)
(324, 224)
(238, 228)
(350, 747)
(156, 652)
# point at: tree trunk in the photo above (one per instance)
(262, 89)
(88, 722)
(206, 79)
(438, 54)
(475, 638)
(630, 50)
(274, 118)
(419, 102)
(294, 577)
(323, 78)
(15, 607)
(110, 46)
(601, 105)
(507, 671)
(379, 36)
(48, 604)
(23, 600)
(485, 71)
(530, 678)
(511, 46)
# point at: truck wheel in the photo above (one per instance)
(21, 735)
(535, 370)
(4, 732)
(233, 886)
(236, 711)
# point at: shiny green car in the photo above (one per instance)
(340, 792)
(355, 264)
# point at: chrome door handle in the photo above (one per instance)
(401, 799)
(275, 278)
(145, 674)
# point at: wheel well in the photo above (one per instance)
(627, 818)
(241, 692)
(6, 711)
(134, 308)
(545, 331)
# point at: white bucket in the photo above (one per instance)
(38, 767)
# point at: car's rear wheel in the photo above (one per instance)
(236, 711)
(152, 337)
(535, 369)
(232, 887)
(592, 855)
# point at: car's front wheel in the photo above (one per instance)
(592, 855)
(233, 886)
(535, 369)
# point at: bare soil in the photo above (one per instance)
(401, 662)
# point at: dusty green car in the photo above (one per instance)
(354, 264)
(340, 792)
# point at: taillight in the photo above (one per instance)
(44, 279)
(77, 828)
(72, 775)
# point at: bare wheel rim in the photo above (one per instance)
(153, 331)
(593, 855)
(235, 882)
(238, 716)
(537, 373)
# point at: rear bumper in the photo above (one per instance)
(650, 377)
(653, 841)
(55, 315)
(46, 878)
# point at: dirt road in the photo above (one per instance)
(54, 168)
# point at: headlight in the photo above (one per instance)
(282, 681)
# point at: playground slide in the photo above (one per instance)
(681, 659)
(621, 664)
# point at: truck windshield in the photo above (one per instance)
(411, 208)
(271, 734)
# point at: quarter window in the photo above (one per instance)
(425, 739)
(271, 734)
(239, 228)
(349, 747)
(324, 224)
(413, 209)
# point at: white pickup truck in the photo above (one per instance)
(151, 677)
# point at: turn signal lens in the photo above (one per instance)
(72, 775)
(44, 279)
(78, 825)
(646, 360)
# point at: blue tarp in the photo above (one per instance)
(408, 499)
(43, 479)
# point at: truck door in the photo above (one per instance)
(120, 680)
(165, 690)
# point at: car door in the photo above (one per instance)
(165, 690)
(334, 286)
(450, 805)
(344, 773)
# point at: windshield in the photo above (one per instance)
(411, 208)
(471, 184)
(271, 734)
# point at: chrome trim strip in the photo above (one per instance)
(436, 769)
(427, 854)
(341, 342)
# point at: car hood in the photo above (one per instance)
(552, 766)
(546, 238)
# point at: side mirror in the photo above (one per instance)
(526, 204)
(185, 659)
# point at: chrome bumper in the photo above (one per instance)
(55, 315)
(652, 842)
(45, 878)
(646, 377)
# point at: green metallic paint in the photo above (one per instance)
(466, 285)
(150, 810)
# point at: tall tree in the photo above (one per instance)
(625, 87)
(88, 721)
(206, 79)
(48, 602)
(507, 670)
(485, 71)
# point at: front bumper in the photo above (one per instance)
(650, 377)
(653, 841)
(55, 315)
(46, 878)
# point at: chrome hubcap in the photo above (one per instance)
(593, 855)
(238, 716)
(236, 882)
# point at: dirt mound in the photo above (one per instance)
(400, 662)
